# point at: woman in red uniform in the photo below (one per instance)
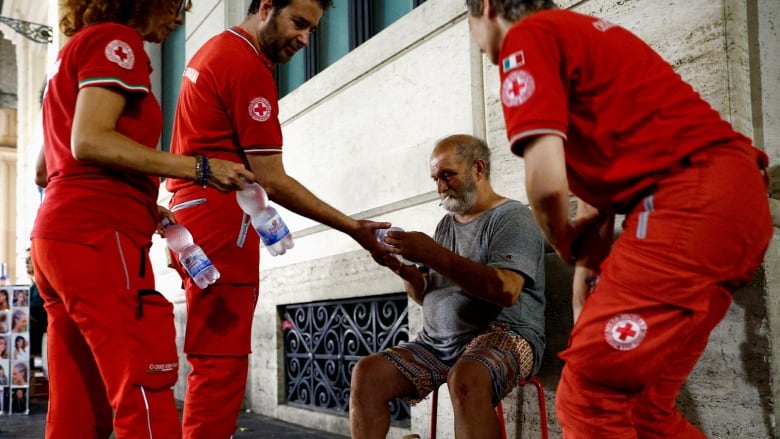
(111, 346)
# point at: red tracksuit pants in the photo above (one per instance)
(665, 285)
(111, 341)
(219, 318)
(217, 343)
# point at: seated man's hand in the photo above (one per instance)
(414, 246)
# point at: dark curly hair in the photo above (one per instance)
(280, 4)
(138, 14)
(512, 10)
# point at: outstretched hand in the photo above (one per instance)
(365, 235)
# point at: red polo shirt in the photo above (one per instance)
(624, 123)
(83, 200)
(224, 114)
(228, 107)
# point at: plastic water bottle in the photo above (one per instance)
(380, 237)
(191, 256)
(274, 233)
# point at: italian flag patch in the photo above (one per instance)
(513, 61)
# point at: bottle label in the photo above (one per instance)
(273, 231)
(195, 263)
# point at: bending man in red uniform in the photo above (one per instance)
(228, 108)
(593, 109)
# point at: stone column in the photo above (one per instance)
(31, 74)
(7, 198)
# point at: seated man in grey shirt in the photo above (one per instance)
(481, 284)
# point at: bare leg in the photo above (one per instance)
(471, 391)
(375, 382)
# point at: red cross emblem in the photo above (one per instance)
(517, 88)
(260, 109)
(625, 331)
(120, 53)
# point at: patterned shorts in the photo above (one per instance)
(504, 353)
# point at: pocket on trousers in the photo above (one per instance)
(187, 204)
(154, 339)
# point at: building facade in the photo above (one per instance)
(358, 131)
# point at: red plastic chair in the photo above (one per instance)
(500, 409)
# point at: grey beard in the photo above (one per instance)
(462, 204)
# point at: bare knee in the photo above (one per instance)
(469, 383)
(360, 375)
(366, 378)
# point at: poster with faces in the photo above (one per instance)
(15, 361)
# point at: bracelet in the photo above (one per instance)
(206, 171)
(202, 170)
(198, 169)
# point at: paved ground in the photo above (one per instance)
(250, 426)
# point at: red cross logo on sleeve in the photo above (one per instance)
(625, 331)
(517, 88)
(120, 53)
(260, 109)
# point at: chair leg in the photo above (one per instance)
(434, 410)
(542, 403)
(501, 423)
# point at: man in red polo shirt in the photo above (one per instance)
(228, 108)
(593, 109)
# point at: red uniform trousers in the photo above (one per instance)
(111, 341)
(219, 318)
(216, 384)
(665, 285)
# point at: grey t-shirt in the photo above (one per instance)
(505, 237)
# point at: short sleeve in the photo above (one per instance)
(114, 57)
(255, 107)
(532, 92)
(516, 243)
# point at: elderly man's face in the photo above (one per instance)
(455, 180)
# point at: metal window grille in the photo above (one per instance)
(324, 340)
